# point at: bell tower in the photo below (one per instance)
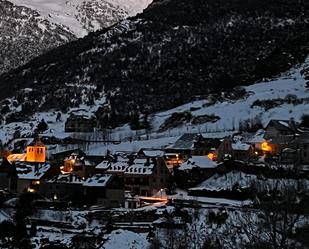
(36, 152)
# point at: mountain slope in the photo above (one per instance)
(29, 28)
(175, 50)
(24, 34)
(82, 17)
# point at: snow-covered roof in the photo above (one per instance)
(240, 146)
(103, 165)
(186, 141)
(153, 153)
(119, 166)
(98, 180)
(199, 162)
(254, 138)
(140, 167)
(67, 178)
(30, 171)
(17, 157)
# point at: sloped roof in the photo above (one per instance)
(198, 161)
(67, 178)
(140, 167)
(103, 165)
(30, 171)
(257, 137)
(152, 152)
(119, 166)
(283, 125)
(240, 146)
(186, 141)
(98, 180)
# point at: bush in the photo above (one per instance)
(42, 126)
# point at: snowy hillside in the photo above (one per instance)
(231, 112)
(81, 16)
(29, 28)
(287, 96)
(24, 34)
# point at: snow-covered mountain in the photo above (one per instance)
(81, 16)
(173, 52)
(29, 28)
(24, 34)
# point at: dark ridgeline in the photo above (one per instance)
(175, 50)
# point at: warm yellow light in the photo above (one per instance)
(211, 156)
(256, 153)
(36, 182)
(266, 147)
(16, 157)
(30, 190)
(36, 153)
(72, 161)
(55, 197)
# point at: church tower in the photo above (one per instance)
(36, 152)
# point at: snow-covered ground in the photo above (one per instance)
(207, 201)
(232, 112)
(126, 239)
(233, 178)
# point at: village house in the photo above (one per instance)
(100, 189)
(196, 168)
(31, 176)
(80, 123)
(189, 144)
(278, 135)
(81, 164)
(256, 139)
(237, 150)
(146, 177)
(104, 189)
(68, 187)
